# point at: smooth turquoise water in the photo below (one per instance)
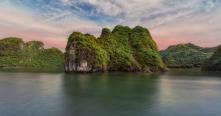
(175, 93)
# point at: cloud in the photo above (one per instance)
(133, 10)
(170, 21)
(199, 28)
(16, 21)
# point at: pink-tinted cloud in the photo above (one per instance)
(195, 21)
(17, 22)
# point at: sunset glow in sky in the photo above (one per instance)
(169, 21)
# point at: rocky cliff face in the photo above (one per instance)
(84, 54)
(214, 62)
(123, 49)
(186, 55)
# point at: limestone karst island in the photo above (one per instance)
(122, 49)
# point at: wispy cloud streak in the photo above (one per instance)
(170, 21)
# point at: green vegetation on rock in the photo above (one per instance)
(214, 62)
(16, 54)
(186, 55)
(145, 50)
(122, 49)
(83, 48)
(119, 51)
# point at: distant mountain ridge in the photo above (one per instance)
(16, 54)
(186, 55)
(122, 49)
(214, 62)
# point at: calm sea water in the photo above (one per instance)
(175, 93)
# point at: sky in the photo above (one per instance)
(169, 21)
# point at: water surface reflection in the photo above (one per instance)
(110, 94)
(175, 93)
